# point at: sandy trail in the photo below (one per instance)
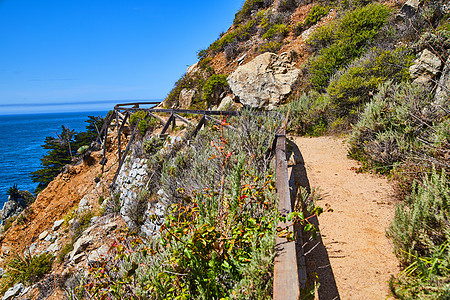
(356, 250)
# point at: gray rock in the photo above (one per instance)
(185, 98)
(12, 292)
(53, 248)
(98, 254)
(80, 245)
(408, 9)
(57, 224)
(32, 247)
(442, 91)
(77, 258)
(265, 81)
(43, 235)
(50, 238)
(15, 205)
(425, 68)
(2, 272)
(227, 103)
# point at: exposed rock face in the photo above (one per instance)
(265, 81)
(186, 97)
(442, 91)
(13, 292)
(408, 9)
(425, 68)
(15, 205)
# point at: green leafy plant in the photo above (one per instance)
(315, 14)
(277, 32)
(344, 40)
(215, 85)
(28, 269)
(421, 240)
(355, 84)
(307, 114)
(270, 46)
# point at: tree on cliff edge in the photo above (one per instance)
(61, 150)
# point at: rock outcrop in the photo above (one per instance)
(186, 97)
(425, 68)
(408, 9)
(15, 205)
(442, 91)
(265, 81)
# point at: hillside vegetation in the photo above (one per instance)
(364, 73)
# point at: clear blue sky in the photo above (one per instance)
(69, 51)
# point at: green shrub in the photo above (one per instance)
(143, 125)
(316, 13)
(28, 269)
(8, 223)
(288, 5)
(270, 46)
(242, 33)
(139, 115)
(390, 124)
(191, 81)
(249, 6)
(277, 31)
(215, 85)
(347, 41)
(153, 145)
(356, 84)
(307, 114)
(64, 251)
(420, 232)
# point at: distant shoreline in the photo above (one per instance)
(62, 107)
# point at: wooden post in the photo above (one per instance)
(124, 155)
(285, 281)
(167, 124)
(119, 144)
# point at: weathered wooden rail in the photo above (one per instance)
(286, 283)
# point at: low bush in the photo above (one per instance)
(242, 33)
(344, 40)
(288, 5)
(248, 8)
(356, 84)
(308, 114)
(139, 115)
(420, 232)
(390, 124)
(27, 269)
(216, 85)
(153, 145)
(191, 81)
(315, 14)
(270, 46)
(276, 32)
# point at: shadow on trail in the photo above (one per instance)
(315, 254)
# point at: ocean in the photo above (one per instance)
(21, 138)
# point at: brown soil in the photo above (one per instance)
(357, 260)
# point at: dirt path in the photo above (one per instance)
(357, 253)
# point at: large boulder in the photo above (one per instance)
(425, 68)
(265, 81)
(185, 98)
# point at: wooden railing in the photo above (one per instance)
(286, 279)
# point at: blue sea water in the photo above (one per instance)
(21, 138)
